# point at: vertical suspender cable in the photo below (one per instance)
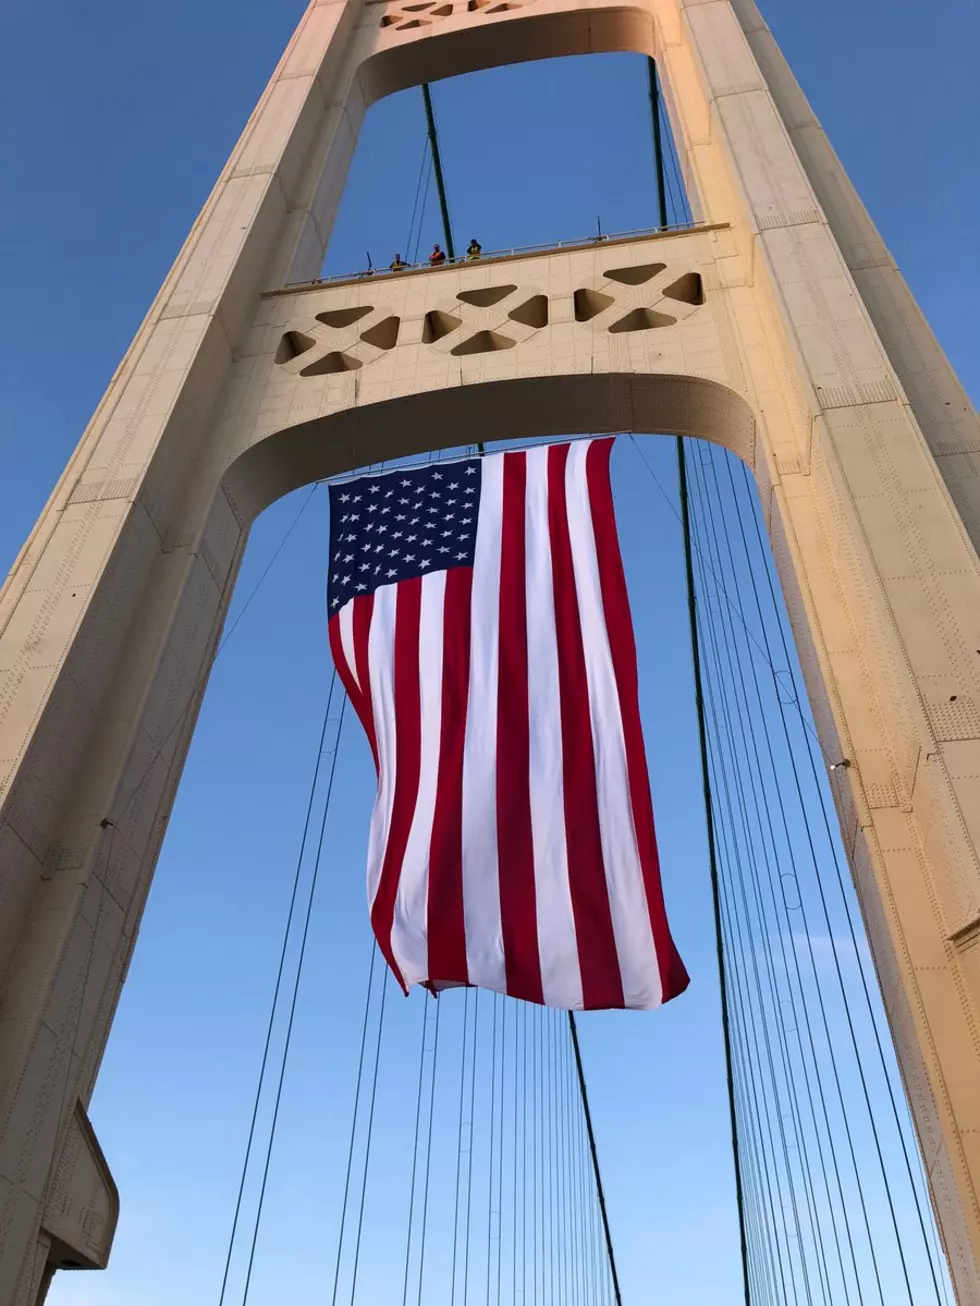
(595, 1158)
(430, 123)
(703, 746)
(712, 859)
(658, 147)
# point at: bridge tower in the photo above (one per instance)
(779, 327)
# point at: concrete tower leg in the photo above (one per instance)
(794, 342)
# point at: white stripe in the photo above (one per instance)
(381, 671)
(481, 888)
(408, 933)
(624, 873)
(560, 975)
(346, 616)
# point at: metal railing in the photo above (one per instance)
(583, 242)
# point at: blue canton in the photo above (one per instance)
(402, 524)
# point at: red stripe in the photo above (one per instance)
(446, 927)
(408, 751)
(360, 699)
(515, 848)
(363, 611)
(340, 662)
(619, 624)
(602, 984)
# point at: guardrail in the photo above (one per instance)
(583, 242)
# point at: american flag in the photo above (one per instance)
(480, 623)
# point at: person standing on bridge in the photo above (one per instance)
(437, 256)
(397, 264)
(473, 250)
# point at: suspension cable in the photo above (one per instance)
(270, 1025)
(658, 148)
(583, 1092)
(415, 1153)
(712, 858)
(839, 1001)
(353, 1127)
(385, 985)
(848, 916)
(314, 879)
(437, 165)
(428, 1155)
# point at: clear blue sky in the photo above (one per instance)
(114, 120)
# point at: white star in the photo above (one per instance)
(425, 563)
(344, 498)
(450, 502)
(409, 557)
(450, 516)
(454, 485)
(348, 557)
(400, 517)
(345, 581)
(378, 548)
(334, 603)
(397, 535)
(435, 495)
(374, 488)
(392, 572)
(406, 482)
(412, 539)
(445, 533)
(355, 516)
(372, 507)
(346, 517)
(389, 493)
(413, 521)
(471, 471)
(469, 490)
(364, 566)
(384, 510)
(357, 498)
(368, 527)
(437, 476)
(377, 569)
(394, 553)
(382, 528)
(465, 521)
(464, 537)
(403, 501)
(426, 543)
(433, 510)
(443, 549)
(333, 580)
(460, 555)
(362, 587)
